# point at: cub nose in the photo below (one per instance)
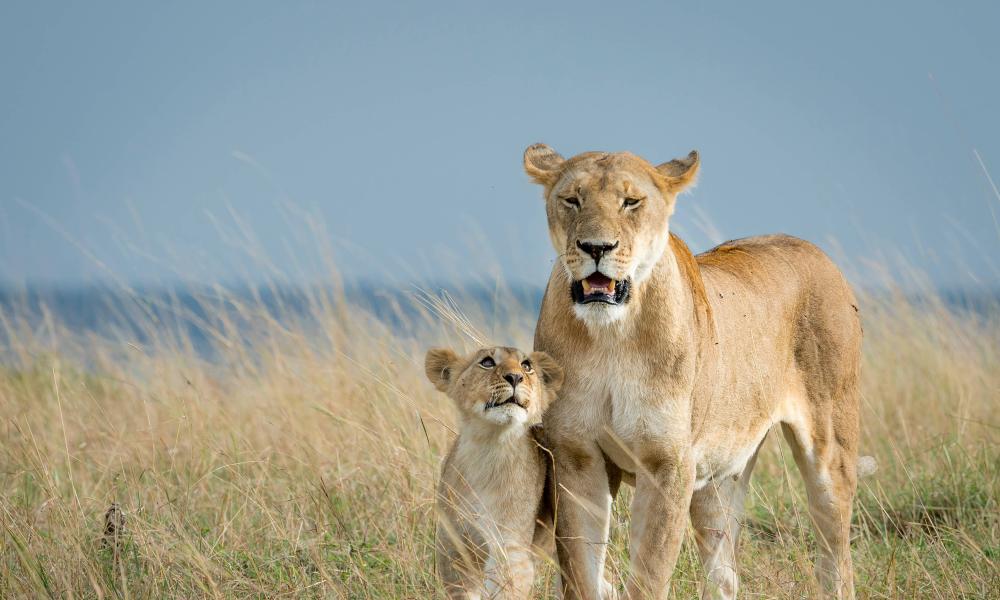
(513, 379)
(596, 250)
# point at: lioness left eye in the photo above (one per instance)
(526, 365)
(631, 202)
(487, 363)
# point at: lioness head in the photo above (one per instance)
(502, 386)
(608, 219)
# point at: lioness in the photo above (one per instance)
(490, 497)
(676, 368)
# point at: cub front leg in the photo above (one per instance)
(664, 485)
(583, 515)
(457, 566)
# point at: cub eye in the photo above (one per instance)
(526, 365)
(572, 202)
(487, 363)
(631, 202)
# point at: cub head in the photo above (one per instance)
(608, 220)
(502, 386)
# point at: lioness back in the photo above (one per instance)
(773, 265)
(774, 286)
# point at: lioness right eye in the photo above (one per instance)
(487, 363)
(572, 202)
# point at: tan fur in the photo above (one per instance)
(494, 512)
(677, 388)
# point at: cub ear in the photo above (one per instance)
(542, 163)
(440, 365)
(681, 173)
(552, 373)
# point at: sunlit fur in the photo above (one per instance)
(677, 388)
(490, 497)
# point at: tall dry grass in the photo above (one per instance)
(300, 461)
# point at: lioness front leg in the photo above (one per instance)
(583, 515)
(659, 510)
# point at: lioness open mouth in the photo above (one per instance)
(598, 287)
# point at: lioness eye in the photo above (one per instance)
(631, 202)
(487, 363)
(572, 202)
(526, 365)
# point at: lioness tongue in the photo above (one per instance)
(599, 282)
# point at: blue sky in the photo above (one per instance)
(145, 142)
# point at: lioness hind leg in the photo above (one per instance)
(831, 481)
(716, 512)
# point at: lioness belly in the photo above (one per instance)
(635, 416)
(633, 428)
(710, 463)
(715, 460)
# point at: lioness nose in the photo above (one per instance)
(596, 250)
(513, 378)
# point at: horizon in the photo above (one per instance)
(387, 139)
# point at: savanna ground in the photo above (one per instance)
(301, 460)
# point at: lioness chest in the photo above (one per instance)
(635, 408)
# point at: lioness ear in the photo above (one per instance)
(439, 366)
(542, 163)
(552, 373)
(681, 172)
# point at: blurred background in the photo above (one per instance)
(236, 142)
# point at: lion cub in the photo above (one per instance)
(492, 501)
